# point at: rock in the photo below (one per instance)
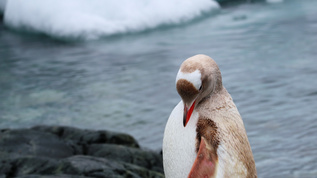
(146, 159)
(102, 167)
(24, 142)
(52, 176)
(57, 151)
(82, 137)
(78, 166)
(235, 2)
(32, 165)
(5, 168)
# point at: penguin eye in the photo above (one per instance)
(200, 87)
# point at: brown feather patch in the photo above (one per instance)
(207, 141)
(186, 89)
(208, 129)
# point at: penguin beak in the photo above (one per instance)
(188, 113)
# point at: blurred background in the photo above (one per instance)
(112, 65)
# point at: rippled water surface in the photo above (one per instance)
(267, 54)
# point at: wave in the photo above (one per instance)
(83, 19)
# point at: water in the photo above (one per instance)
(126, 83)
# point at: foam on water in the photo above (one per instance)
(93, 19)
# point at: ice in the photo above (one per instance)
(95, 18)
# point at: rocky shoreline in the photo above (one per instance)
(58, 151)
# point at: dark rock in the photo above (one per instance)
(56, 151)
(146, 159)
(52, 176)
(5, 168)
(83, 137)
(92, 166)
(236, 2)
(33, 165)
(24, 142)
(76, 166)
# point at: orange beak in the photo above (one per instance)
(188, 113)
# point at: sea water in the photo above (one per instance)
(59, 71)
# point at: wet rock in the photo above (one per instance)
(5, 168)
(146, 159)
(236, 2)
(82, 137)
(31, 165)
(25, 142)
(57, 151)
(75, 166)
(52, 176)
(102, 167)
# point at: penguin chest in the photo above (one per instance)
(179, 144)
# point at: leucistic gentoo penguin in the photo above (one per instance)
(204, 135)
